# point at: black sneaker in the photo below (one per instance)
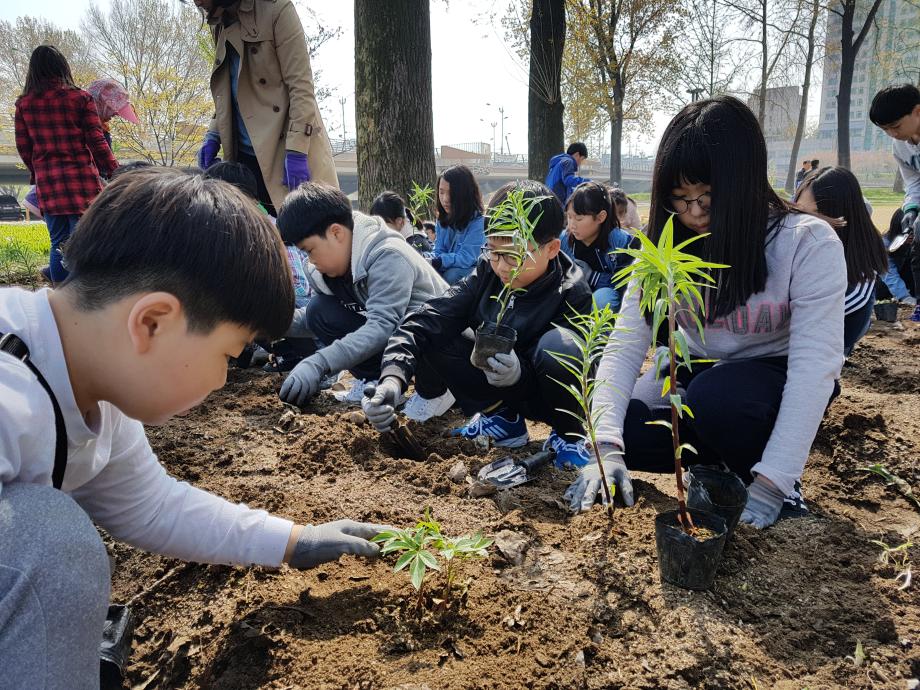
(794, 505)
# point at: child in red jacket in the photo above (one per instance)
(60, 139)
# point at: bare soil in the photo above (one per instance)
(584, 609)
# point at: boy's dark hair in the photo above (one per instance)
(465, 198)
(892, 103)
(201, 240)
(129, 167)
(894, 225)
(838, 196)
(718, 142)
(815, 163)
(310, 209)
(577, 147)
(619, 199)
(552, 220)
(236, 174)
(590, 198)
(389, 206)
(429, 225)
(47, 68)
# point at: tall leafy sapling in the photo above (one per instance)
(669, 281)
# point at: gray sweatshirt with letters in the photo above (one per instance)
(799, 315)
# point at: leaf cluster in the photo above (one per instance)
(420, 549)
(420, 199)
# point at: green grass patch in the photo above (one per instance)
(24, 249)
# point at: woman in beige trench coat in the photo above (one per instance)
(265, 112)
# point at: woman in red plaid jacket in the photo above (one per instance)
(59, 138)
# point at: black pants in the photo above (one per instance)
(734, 409)
(330, 320)
(855, 326)
(537, 397)
(252, 163)
(915, 264)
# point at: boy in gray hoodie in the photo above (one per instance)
(365, 279)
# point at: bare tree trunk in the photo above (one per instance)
(393, 97)
(545, 133)
(616, 138)
(803, 106)
(898, 186)
(764, 60)
(849, 50)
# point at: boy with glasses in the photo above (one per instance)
(430, 343)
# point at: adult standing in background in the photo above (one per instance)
(265, 112)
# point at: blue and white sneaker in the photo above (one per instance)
(504, 432)
(568, 455)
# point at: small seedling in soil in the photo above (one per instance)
(425, 549)
(891, 479)
(670, 280)
(592, 331)
(420, 199)
(899, 557)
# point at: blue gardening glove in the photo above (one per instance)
(303, 382)
(296, 169)
(380, 410)
(584, 491)
(504, 369)
(209, 150)
(323, 543)
(764, 503)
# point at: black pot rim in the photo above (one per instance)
(668, 518)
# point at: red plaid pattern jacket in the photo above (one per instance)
(59, 138)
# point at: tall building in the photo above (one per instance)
(889, 55)
(781, 112)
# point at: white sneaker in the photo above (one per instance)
(354, 394)
(422, 409)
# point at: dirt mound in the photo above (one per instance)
(583, 607)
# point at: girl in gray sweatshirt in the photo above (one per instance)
(773, 322)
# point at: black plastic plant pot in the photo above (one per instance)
(684, 560)
(715, 491)
(491, 340)
(887, 311)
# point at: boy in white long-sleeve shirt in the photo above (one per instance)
(896, 110)
(170, 276)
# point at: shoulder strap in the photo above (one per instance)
(13, 345)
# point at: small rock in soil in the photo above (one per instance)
(355, 417)
(481, 489)
(458, 472)
(511, 545)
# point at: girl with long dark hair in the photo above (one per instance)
(835, 193)
(592, 238)
(460, 230)
(60, 139)
(773, 322)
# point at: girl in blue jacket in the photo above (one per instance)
(460, 231)
(592, 237)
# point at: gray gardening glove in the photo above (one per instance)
(303, 382)
(380, 410)
(320, 544)
(764, 503)
(583, 492)
(504, 370)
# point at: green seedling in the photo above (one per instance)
(420, 199)
(669, 281)
(592, 332)
(421, 548)
(511, 220)
(891, 479)
(899, 557)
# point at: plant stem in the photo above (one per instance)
(685, 521)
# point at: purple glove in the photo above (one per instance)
(208, 151)
(296, 170)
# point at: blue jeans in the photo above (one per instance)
(455, 274)
(607, 295)
(59, 229)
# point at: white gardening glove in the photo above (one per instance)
(504, 369)
(583, 492)
(764, 503)
(380, 409)
(303, 382)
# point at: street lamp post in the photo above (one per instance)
(342, 102)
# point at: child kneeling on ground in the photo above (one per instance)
(365, 279)
(170, 276)
(430, 344)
